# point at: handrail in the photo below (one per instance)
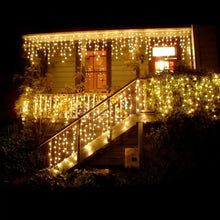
(89, 111)
(76, 141)
(95, 128)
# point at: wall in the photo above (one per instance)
(62, 75)
(121, 73)
(114, 153)
(206, 47)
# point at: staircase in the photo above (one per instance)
(97, 128)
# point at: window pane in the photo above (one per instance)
(163, 51)
(100, 61)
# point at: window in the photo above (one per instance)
(164, 51)
(163, 65)
(164, 58)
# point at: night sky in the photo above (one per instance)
(24, 18)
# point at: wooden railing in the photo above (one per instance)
(73, 143)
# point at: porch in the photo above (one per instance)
(106, 60)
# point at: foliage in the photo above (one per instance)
(182, 69)
(18, 155)
(168, 94)
(34, 80)
(78, 180)
(182, 147)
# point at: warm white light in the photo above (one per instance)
(161, 65)
(121, 42)
(163, 51)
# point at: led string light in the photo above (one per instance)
(59, 107)
(122, 43)
(193, 93)
(92, 125)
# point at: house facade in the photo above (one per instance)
(102, 84)
(107, 59)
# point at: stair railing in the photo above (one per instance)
(74, 139)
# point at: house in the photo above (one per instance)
(99, 81)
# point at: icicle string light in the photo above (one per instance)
(96, 123)
(58, 107)
(122, 43)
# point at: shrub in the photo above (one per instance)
(18, 155)
(182, 147)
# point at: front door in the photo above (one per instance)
(96, 71)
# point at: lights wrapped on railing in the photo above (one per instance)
(59, 107)
(78, 137)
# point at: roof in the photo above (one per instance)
(107, 33)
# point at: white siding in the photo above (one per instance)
(121, 73)
(62, 75)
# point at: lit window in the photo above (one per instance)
(161, 65)
(163, 51)
(164, 65)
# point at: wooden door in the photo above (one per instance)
(95, 71)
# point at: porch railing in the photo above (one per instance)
(60, 107)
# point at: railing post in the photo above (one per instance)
(136, 98)
(146, 107)
(113, 115)
(145, 100)
(109, 120)
(78, 142)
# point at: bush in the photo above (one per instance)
(18, 155)
(184, 148)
